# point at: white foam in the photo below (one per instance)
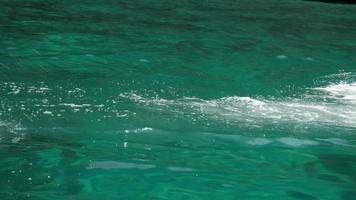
(72, 105)
(254, 111)
(344, 91)
(47, 112)
(146, 129)
(139, 130)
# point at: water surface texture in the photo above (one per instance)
(112, 99)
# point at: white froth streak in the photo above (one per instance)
(345, 91)
(341, 112)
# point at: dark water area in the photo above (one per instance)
(177, 100)
(337, 1)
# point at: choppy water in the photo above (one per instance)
(177, 100)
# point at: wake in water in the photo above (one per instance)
(341, 91)
(333, 104)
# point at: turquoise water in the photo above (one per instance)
(244, 99)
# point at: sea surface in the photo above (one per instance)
(122, 99)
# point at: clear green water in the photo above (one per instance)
(246, 99)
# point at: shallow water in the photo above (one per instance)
(177, 100)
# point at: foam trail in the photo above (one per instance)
(339, 112)
(343, 91)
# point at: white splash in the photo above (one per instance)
(254, 111)
(343, 91)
